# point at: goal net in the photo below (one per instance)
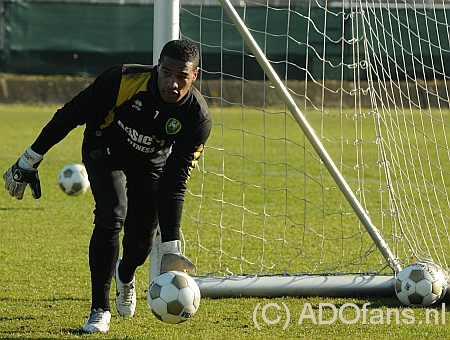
(369, 79)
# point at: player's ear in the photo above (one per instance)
(195, 73)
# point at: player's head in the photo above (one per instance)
(182, 50)
(177, 69)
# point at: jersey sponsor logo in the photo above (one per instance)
(139, 141)
(173, 126)
(135, 135)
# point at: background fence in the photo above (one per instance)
(85, 38)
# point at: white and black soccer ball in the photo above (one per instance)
(73, 179)
(421, 284)
(173, 297)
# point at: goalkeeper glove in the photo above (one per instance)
(173, 259)
(22, 173)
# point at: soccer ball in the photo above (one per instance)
(173, 297)
(73, 179)
(421, 284)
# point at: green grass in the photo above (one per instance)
(44, 273)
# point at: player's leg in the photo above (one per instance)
(108, 184)
(140, 229)
(139, 235)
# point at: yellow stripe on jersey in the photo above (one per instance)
(198, 152)
(108, 119)
(194, 162)
(130, 84)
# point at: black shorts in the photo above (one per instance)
(124, 192)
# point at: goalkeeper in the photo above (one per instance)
(145, 128)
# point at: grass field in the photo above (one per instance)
(44, 275)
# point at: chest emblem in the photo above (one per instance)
(173, 126)
(137, 105)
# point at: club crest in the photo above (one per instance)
(173, 126)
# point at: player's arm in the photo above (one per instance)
(90, 105)
(171, 193)
(82, 108)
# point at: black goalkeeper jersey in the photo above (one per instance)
(124, 107)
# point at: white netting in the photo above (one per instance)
(370, 78)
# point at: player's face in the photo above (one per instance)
(175, 77)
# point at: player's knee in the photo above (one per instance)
(113, 223)
(100, 232)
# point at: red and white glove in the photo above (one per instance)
(22, 173)
(173, 259)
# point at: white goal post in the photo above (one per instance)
(328, 164)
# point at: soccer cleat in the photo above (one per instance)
(125, 295)
(98, 321)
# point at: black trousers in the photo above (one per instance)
(125, 198)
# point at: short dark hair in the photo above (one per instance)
(183, 50)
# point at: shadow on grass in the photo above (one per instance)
(77, 332)
(27, 300)
(16, 318)
(20, 209)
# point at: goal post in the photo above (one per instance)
(328, 164)
(166, 25)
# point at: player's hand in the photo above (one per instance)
(173, 259)
(22, 173)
